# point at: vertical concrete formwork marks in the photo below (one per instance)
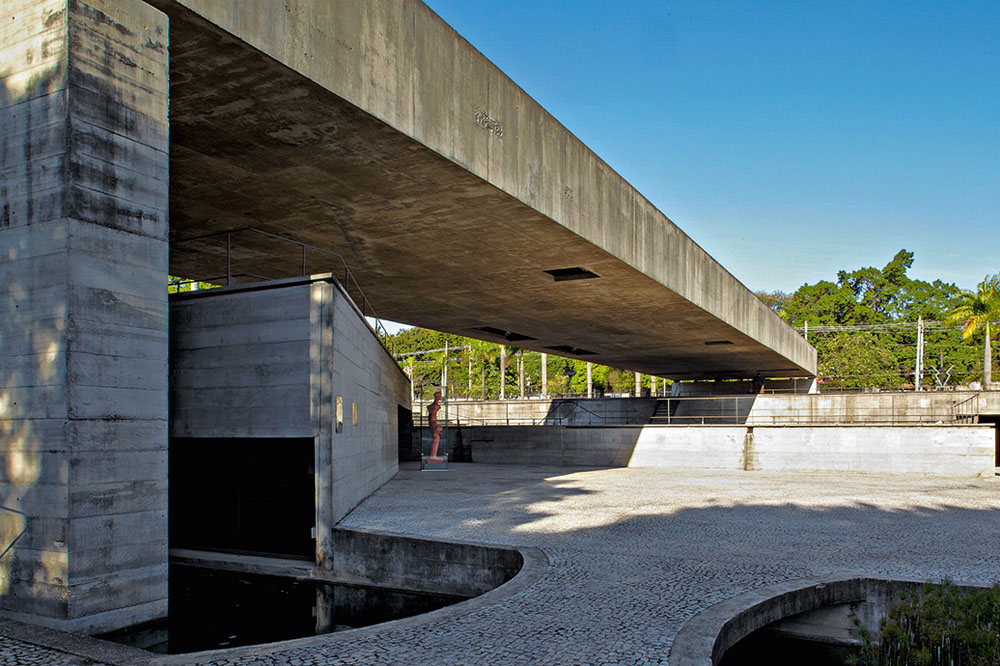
(83, 311)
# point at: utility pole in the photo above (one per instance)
(590, 379)
(918, 384)
(638, 385)
(545, 375)
(503, 371)
(805, 330)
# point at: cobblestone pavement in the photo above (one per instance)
(636, 552)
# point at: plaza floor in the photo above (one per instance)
(633, 553)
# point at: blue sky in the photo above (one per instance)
(789, 139)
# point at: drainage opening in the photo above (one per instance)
(510, 336)
(574, 351)
(574, 273)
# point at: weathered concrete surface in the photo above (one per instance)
(965, 450)
(444, 567)
(374, 130)
(273, 361)
(83, 313)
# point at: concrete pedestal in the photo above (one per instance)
(83, 312)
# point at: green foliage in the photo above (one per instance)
(474, 368)
(883, 355)
(976, 310)
(870, 296)
(851, 361)
(177, 285)
(941, 625)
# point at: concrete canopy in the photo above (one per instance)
(373, 130)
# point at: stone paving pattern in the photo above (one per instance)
(636, 552)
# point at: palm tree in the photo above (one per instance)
(481, 353)
(978, 309)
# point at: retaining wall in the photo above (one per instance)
(951, 450)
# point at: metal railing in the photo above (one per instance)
(762, 410)
(966, 411)
(363, 304)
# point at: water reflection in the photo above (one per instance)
(212, 609)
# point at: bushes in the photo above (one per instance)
(939, 625)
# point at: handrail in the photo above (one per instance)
(19, 534)
(366, 308)
(957, 414)
(576, 405)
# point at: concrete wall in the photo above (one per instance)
(940, 450)
(271, 361)
(365, 455)
(83, 312)
(882, 407)
(443, 567)
(555, 411)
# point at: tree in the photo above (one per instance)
(857, 360)
(977, 310)
(774, 300)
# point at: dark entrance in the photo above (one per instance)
(995, 420)
(243, 495)
(404, 421)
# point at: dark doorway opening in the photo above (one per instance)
(404, 421)
(995, 420)
(243, 495)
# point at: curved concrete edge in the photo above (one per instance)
(74, 644)
(534, 565)
(705, 638)
(535, 562)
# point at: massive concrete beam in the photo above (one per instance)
(372, 129)
(83, 312)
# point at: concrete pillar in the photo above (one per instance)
(520, 374)
(503, 372)
(545, 375)
(590, 380)
(83, 312)
(638, 385)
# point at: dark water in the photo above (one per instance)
(767, 648)
(219, 609)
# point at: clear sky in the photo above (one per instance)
(788, 139)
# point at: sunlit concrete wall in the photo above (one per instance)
(947, 450)
(83, 312)
(274, 360)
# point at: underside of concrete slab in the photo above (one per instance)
(373, 130)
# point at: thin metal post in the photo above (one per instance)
(229, 260)
(303, 261)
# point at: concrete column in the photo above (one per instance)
(545, 375)
(503, 372)
(83, 312)
(590, 380)
(638, 385)
(520, 374)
